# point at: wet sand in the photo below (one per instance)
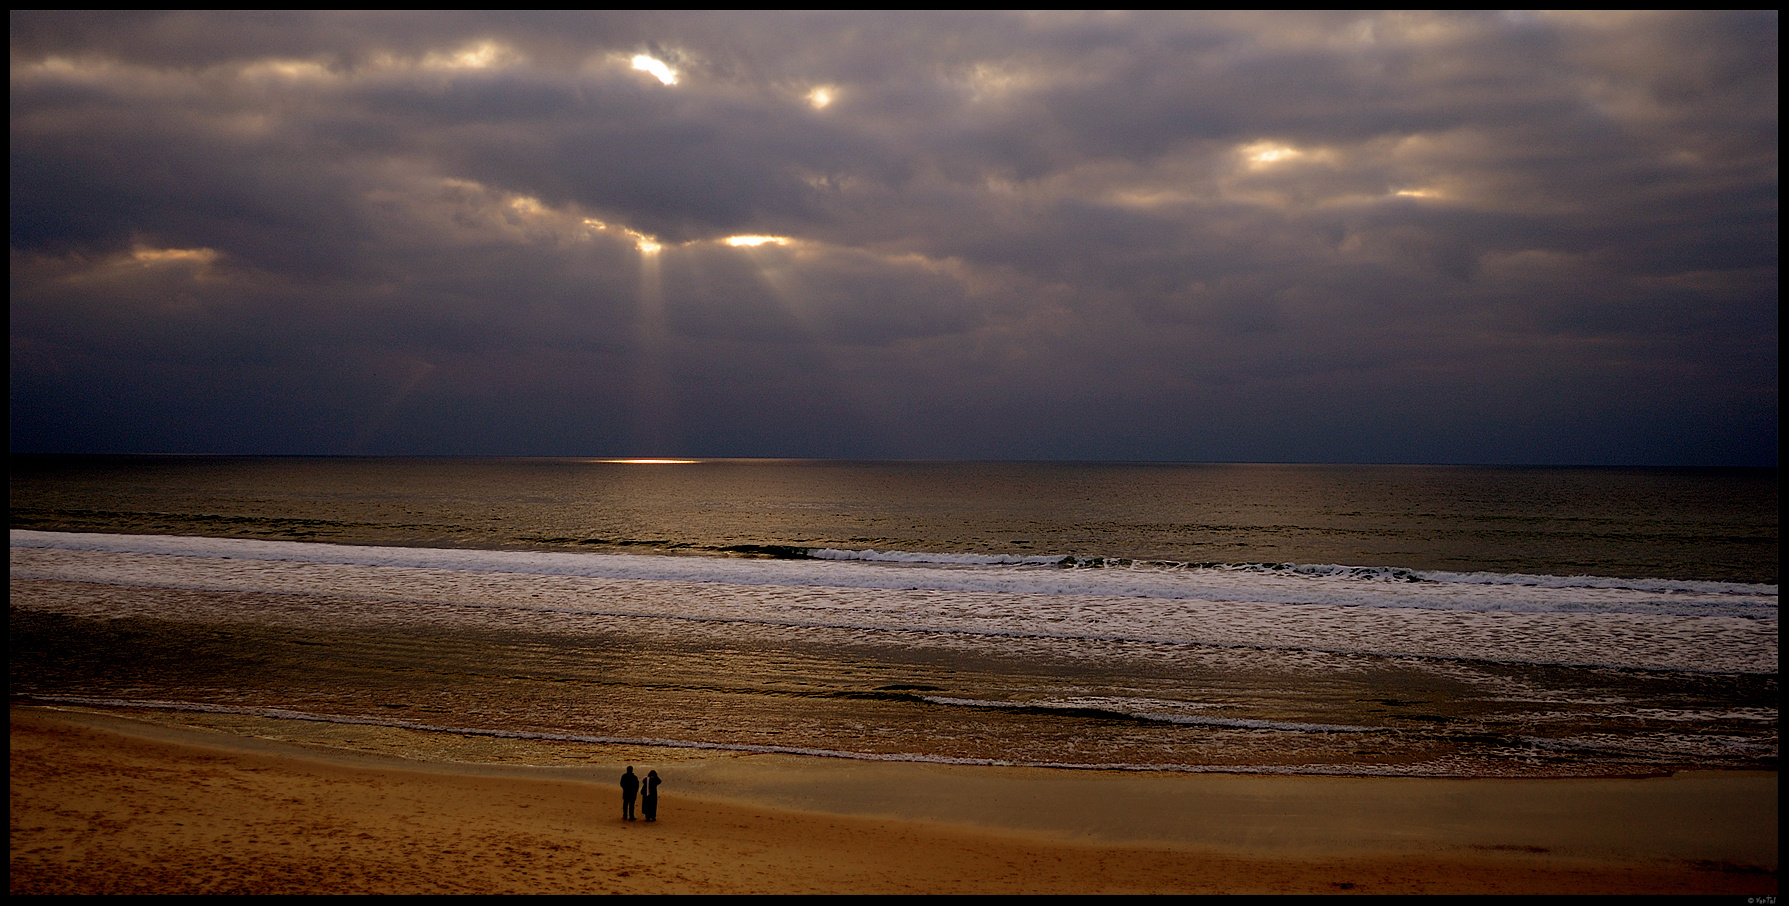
(106, 804)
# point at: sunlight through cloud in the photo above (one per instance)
(148, 256)
(646, 244)
(481, 55)
(290, 70)
(658, 69)
(1263, 154)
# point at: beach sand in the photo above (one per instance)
(103, 803)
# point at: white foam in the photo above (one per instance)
(1315, 584)
(1335, 610)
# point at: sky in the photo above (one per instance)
(1247, 237)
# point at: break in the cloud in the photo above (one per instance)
(1327, 236)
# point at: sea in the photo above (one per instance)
(1389, 620)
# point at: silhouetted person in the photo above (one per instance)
(649, 796)
(630, 785)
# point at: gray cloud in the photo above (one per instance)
(1331, 236)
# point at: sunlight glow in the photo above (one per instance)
(64, 68)
(659, 70)
(820, 97)
(195, 265)
(482, 55)
(199, 256)
(286, 69)
(1263, 154)
(646, 244)
(650, 462)
(755, 240)
(477, 57)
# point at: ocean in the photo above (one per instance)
(1355, 620)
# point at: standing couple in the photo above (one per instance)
(646, 790)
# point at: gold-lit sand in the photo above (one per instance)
(108, 804)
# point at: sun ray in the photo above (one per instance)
(653, 410)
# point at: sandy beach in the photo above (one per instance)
(104, 803)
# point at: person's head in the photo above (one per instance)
(652, 774)
(630, 769)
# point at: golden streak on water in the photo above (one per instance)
(651, 462)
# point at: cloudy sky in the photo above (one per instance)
(1496, 238)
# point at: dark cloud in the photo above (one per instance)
(1324, 236)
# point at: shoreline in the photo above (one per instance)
(106, 804)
